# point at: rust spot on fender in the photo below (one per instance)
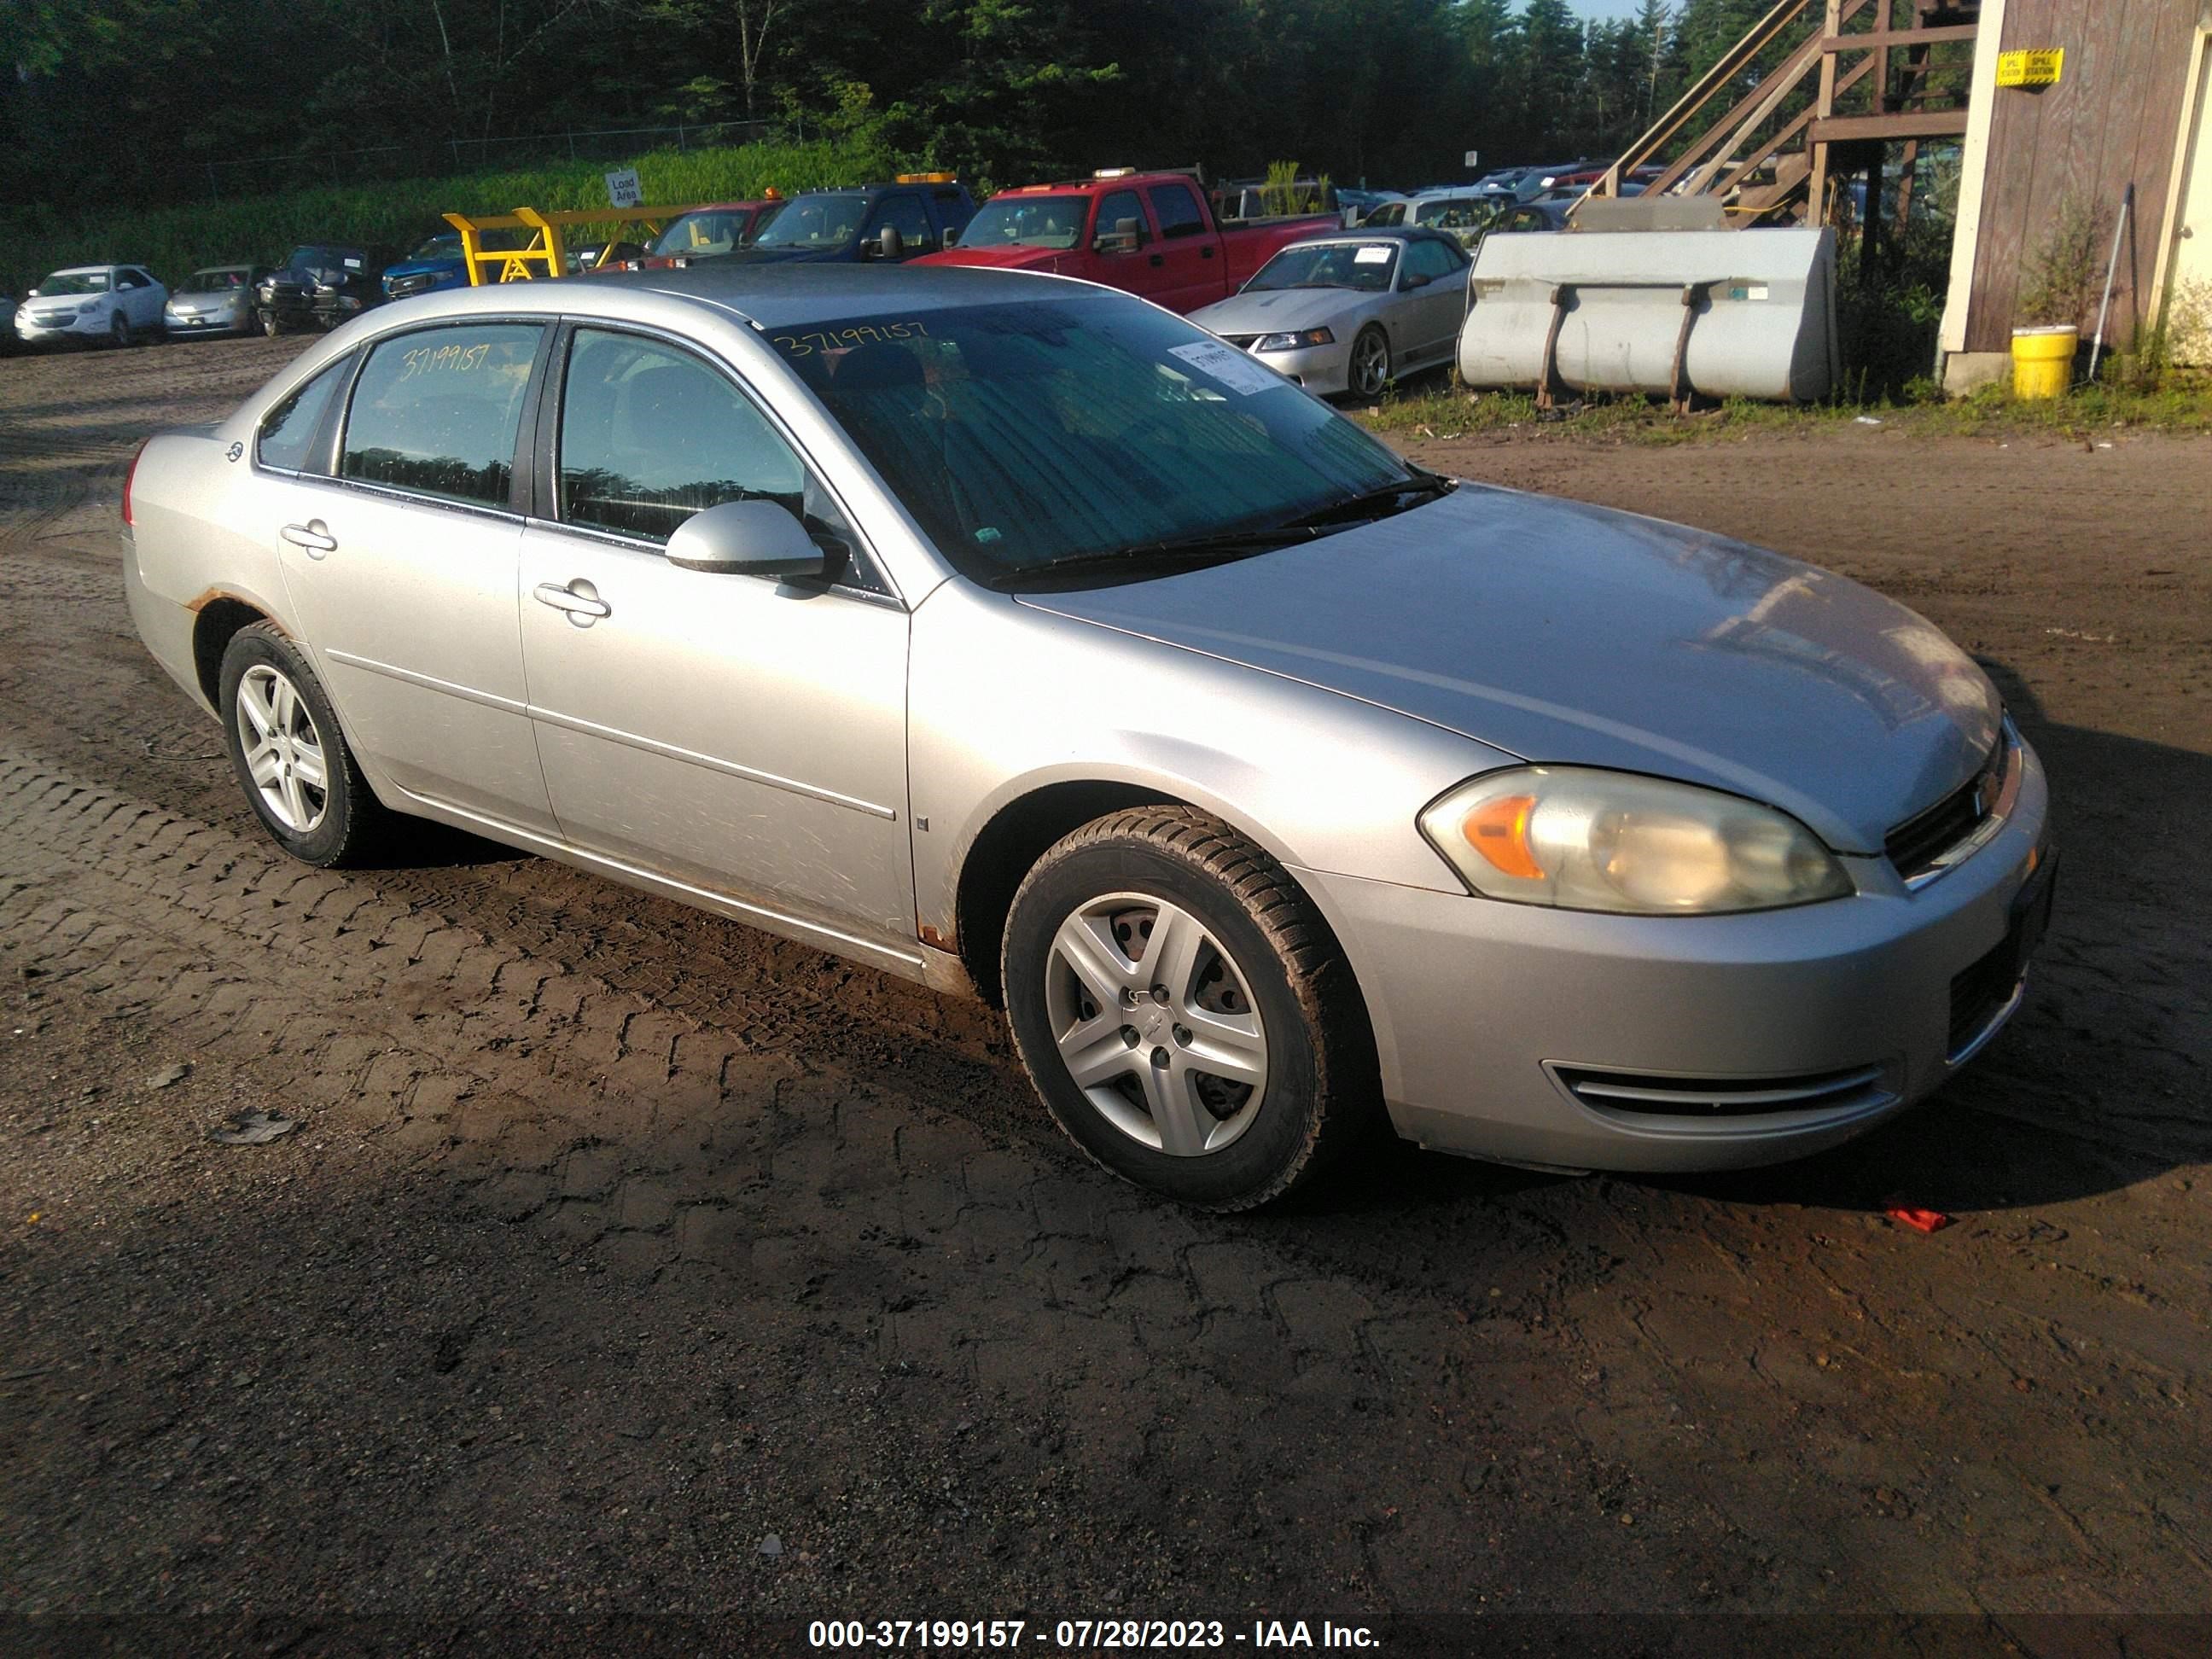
(934, 939)
(206, 599)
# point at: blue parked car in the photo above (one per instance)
(437, 263)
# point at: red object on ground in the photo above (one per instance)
(1921, 1221)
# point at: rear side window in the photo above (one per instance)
(650, 434)
(1178, 210)
(436, 411)
(288, 431)
(1433, 259)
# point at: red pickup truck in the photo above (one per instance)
(1151, 233)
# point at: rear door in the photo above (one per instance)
(1193, 273)
(741, 735)
(401, 566)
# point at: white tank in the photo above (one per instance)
(1605, 311)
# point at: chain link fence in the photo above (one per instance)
(451, 157)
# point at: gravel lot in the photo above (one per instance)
(632, 1264)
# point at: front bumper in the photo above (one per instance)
(237, 319)
(1492, 1019)
(1324, 371)
(85, 326)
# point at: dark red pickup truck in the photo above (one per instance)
(1151, 233)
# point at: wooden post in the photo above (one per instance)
(1816, 195)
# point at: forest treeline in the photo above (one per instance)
(111, 101)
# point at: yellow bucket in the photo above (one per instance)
(2043, 360)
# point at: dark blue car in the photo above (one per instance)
(847, 226)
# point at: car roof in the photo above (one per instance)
(778, 295)
(85, 270)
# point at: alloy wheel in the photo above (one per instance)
(284, 752)
(1156, 1024)
(1370, 364)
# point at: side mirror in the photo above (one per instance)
(33, 294)
(1412, 279)
(888, 244)
(746, 539)
(1122, 239)
(951, 234)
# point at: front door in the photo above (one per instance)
(735, 734)
(402, 568)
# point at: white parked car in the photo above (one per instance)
(115, 304)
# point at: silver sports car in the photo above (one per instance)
(1016, 636)
(1349, 311)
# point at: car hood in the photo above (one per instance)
(1576, 635)
(1280, 309)
(47, 304)
(999, 259)
(420, 267)
(841, 252)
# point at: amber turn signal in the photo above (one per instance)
(1498, 829)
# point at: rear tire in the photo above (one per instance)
(1252, 1067)
(290, 755)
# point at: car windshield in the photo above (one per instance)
(221, 281)
(446, 245)
(75, 281)
(1453, 212)
(1078, 427)
(331, 264)
(1026, 222)
(702, 234)
(815, 223)
(1363, 265)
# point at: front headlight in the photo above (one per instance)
(1311, 336)
(1581, 839)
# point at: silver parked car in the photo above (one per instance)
(1014, 635)
(216, 301)
(1349, 312)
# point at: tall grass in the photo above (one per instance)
(173, 241)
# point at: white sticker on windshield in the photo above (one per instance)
(1227, 364)
(352, 264)
(1371, 256)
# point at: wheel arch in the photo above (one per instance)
(218, 620)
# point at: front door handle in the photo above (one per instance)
(314, 535)
(578, 598)
(1206, 251)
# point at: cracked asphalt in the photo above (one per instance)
(617, 1241)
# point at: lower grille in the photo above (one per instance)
(1980, 993)
(1730, 1097)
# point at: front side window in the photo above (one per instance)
(1026, 434)
(288, 431)
(1119, 210)
(1178, 212)
(650, 434)
(436, 411)
(906, 215)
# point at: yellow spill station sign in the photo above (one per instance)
(2039, 68)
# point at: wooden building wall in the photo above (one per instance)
(2110, 121)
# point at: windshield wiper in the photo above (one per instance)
(1154, 558)
(1425, 485)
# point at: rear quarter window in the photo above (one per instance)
(288, 431)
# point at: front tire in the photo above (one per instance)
(1184, 1012)
(290, 755)
(119, 330)
(1368, 371)
(270, 325)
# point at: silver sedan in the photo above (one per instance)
(1015, 636)
(218, 300)
(1350, 312)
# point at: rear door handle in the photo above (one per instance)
(584, 607)
(1159, 258)
(314, 535)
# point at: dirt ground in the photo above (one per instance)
(632, 1265)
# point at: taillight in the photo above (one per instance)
(129, 473)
